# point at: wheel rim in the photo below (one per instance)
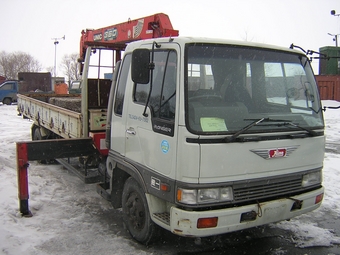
(135, 211)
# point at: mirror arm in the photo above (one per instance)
(151, 68)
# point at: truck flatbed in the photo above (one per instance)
(60, 120)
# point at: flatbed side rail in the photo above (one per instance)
(64, 122)
(46, 149)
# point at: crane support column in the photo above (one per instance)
(46, 149)
(22, 163)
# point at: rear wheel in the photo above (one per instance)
(136, 215)
(36, 136)
(7, 101)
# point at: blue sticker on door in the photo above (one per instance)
(165, 146)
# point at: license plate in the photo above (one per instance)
(275, 213)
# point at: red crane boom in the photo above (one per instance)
(116, 36)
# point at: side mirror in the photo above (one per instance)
(140, 66)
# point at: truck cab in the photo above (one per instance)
(75, 87)
(220, 135)
(8, 92)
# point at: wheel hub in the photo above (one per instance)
(136, 211)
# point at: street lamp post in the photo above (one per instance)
(333, 12)
(335, 38)
(56, 42)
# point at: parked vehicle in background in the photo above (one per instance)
(75, 87)
(27, 82)
(8, 92)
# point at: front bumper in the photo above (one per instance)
(184, 223)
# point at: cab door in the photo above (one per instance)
(118, 119)
(151, 138)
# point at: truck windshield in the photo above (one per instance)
(228, 86)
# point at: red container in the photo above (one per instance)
(329, 87)
(99, 142)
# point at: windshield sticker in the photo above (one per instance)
(165, 146)
(213, 124)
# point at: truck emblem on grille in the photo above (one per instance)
(275, 152)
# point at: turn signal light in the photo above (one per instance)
(318, 198)
(207, 222)
(165, 187)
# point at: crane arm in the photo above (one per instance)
(116, 36)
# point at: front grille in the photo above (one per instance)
(265, 188)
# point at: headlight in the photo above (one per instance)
(204, 196)
(311, 179)
(187, 196)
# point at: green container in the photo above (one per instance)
(330, 65)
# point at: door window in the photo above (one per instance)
(119, 99)
(163, 94)
(8, 86)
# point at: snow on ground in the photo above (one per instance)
(56, 194)
(308, 233)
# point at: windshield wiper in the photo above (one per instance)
(258, 121)
(311, 132)
(241, 131)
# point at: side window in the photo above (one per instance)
(163, 95)
(168, 95)
(119, 98)
(8, 86)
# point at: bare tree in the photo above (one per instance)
(246, 37)
(13, 63)
(69, 65)
(50, 69)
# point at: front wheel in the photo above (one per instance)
(136, 214)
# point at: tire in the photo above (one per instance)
(36, 136)
(136, 215)
(7, 101)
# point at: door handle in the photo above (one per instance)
(131, 131)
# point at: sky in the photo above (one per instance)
(31, 25)
(69, 217)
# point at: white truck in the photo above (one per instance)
(203, 136)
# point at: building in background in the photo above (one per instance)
(329, 73)
(2, 79)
